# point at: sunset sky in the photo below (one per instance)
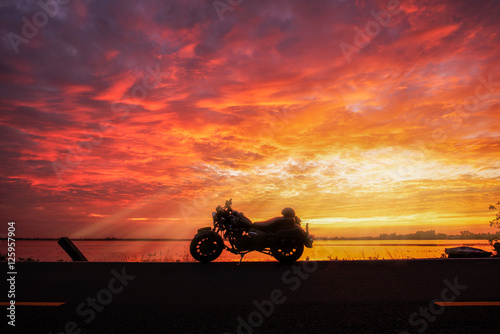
(136, 119)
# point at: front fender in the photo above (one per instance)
(204, 229)
(208, 231)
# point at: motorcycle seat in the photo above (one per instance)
(274, 224)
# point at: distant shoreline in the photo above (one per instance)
(97, 239)
(316, 239)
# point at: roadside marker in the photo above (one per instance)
(468, 303)
(34, 303)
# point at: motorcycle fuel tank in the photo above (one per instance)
(240, 220)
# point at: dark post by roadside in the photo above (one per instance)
(70, 248)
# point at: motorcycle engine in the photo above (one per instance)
(240, 239)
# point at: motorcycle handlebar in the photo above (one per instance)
(228, 204)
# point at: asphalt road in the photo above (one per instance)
(382, 296)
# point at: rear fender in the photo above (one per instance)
(294, 232)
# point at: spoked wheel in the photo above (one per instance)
(287, 249)
(206, 247)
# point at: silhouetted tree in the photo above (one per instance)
(495, 222)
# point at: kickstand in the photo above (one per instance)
(241, 259)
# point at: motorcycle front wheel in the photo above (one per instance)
(287, 249)
(206, 247)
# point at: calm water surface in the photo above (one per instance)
(178, 251)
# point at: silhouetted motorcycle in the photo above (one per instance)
(281, 237)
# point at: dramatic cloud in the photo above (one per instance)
(135, 119)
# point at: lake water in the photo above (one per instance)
(178, 251)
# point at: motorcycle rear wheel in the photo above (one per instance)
(206, 247)
(287, 249)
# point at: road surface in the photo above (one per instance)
(381, 296)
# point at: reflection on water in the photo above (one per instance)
(178, 251)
